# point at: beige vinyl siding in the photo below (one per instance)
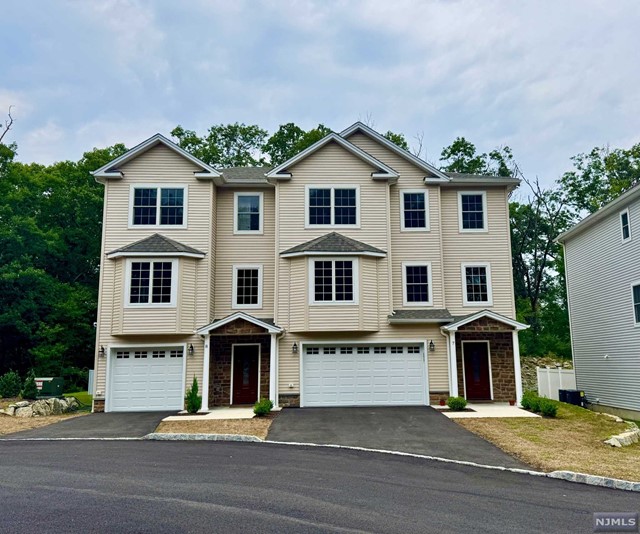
(482, 247)
(600, 272)
(254, 249)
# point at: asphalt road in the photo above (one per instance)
(82, 486)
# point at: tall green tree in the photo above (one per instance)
(461, 156)
(282, 145)
(398, 139)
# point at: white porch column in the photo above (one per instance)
(453, 365)
(516, 366)
(273, 370)
(205, 374)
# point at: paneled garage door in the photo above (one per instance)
(363, 375)
(146, 380)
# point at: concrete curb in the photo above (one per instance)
(71, 439)
(201, 437)
(595, 480)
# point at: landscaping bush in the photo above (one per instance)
(262, 407)
(527, 398)
(10, 384)
(456, 404)
(29, 390)
(192, 400)
(548, 408)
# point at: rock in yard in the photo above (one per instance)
(41, 407)
(21, 404)
(24, 411)
(72, 404)
(10, 410)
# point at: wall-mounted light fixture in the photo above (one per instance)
(432, 346)
(294, 348)
(101, 352)
(190, 349)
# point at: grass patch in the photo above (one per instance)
(83, 397)
(572, 441)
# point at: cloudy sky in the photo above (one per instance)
(548, 78)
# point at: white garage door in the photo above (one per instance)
(363, 376)
(146, 379)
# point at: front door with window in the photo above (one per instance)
(245, 374)
(476, 371)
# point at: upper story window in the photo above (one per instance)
(154, 206)
(247, 286)
(248, 213)
(472, 211)
(333, 281)
(332, 206)
(625, 226)
(476, 284)
(635, 289)
(151, 282)
(416, 284)
(414, 212)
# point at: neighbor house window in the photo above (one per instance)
(472, 208)
(333, 281)
(151, 283)
(476, 284)
(636, 303)
(417, 284)
(332, 206)
(247, 286)
(158, 206)
(248, 213)
(624, 225)
(414, 214)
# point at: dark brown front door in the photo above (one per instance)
(476, 371)
(245, 374)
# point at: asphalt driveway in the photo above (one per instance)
(415, 429)
(99, 425)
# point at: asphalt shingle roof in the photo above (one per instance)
(422, 315)
(334, 243)
(157, 243)
(245, 174)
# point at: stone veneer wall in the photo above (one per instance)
(98, 405)
(500, 340)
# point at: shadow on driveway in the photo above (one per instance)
(99, 425)
(414, 429)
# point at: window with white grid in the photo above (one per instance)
(476, 284)
(151, 283)
(247, 286)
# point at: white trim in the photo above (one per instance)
(350, 147)
(110, 351)
(205, 373)
(332, 207)
(271, 329)
(463, 272)
(633, 306)
(321, 253)
(425, 192)
(356, 282)
(175, 275)
(485, 223)
(623, 212)
(234, 302)
(158, 188)
(464, 378)
(233, 357)
(273, 370)
(485, 313)
(405, 302)
(260, 196)
(125, 254)
(516, 366)
(453, 364)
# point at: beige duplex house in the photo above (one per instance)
(354, 274)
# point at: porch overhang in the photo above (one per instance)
(262, 323)
(459, 322)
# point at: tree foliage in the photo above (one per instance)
(461, 156)
(398, 139)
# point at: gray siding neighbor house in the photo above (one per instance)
(602, 259)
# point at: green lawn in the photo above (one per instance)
(82, 396)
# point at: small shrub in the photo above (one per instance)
(10, 384)
(192, 400)
(527, 398)
(262, 407)
(29, 390)
(456, 404)
(548, 408)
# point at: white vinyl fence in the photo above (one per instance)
(551, 379)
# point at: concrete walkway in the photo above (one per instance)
(414, 429)
(224, 412)
(493, 409)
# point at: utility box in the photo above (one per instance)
(572, 396)
(50, 386)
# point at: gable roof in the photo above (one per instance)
(611, 207)
(438, 175)
(111, 169)
(461, 321)
(156, 245)
(267, 324)
(383, 171)
(333, 243)
(245, 175)
(421, 316)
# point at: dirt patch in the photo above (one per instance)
(573, 441)
(9, 425)
(258, 426)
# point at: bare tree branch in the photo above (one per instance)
(417, 150)
(8, 123)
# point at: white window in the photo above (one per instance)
(472, 211)
(333, 281)
(151, 283)
(158, 206)
(333, 206)
(247, 286)
(635, 295)
(414, 211)
(416, 284)
(476, 284)
(248, 213)
(625, 226)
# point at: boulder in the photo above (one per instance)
(10, 410)
(41, 407)
(21, 404)
(24, 411)
(72, 404)
(56, 406)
